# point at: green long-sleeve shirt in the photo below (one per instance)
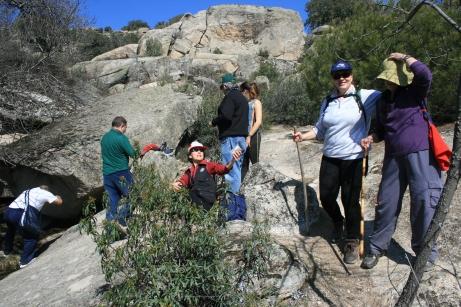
(115, 152)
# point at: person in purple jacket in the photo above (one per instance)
(407, 159)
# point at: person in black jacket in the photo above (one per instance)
(232, 123)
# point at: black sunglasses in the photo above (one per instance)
(196, 149)
(344, 74)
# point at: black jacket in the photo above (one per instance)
(232, 117)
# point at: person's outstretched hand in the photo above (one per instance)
(177, 185)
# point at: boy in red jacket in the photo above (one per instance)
(199, 177)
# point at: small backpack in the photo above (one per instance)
(357, 98)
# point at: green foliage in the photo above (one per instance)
(367, 39)
(288, 102)
(263, 53)
(201, 129)
(133, 25)
(217, 51)
(153, 47)
(321, 12)
(172, 20)
(93, 43)
(267, 69)
(174, 252)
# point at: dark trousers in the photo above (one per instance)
(252, 153)
(117, 185)
(12, 218)
(347, 175)
(418, 171)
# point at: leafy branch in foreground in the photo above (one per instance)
(174, 252)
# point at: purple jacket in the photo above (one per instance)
(400, 121)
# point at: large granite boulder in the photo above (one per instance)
(66, 154)
(68, 273)
(123, 52)
(278, 200)
(233, 29)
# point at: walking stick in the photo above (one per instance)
(306, 204)
(362, 206)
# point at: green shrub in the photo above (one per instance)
(174, 253)
(153, 47)
(267, 69)
(133, 25)
(201, 129)
(263, 53)
(288, 102)
(172, 20)
(217, 51)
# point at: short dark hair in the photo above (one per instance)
(118, 121)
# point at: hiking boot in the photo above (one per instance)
(370, 260)
(351, 251)
(338, 233)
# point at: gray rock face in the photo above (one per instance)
(232, 29)
(66, 154)
(285, 275)
(277, 199)
(68, 273)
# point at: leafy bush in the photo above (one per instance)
(217, 51)
(174, 253)
(133, 25)
(172, 20)
(263, 53)
(288, 102)
(153, 47)
(201, 129)
(267, 69)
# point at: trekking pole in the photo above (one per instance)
(362, 206)
(306, 204)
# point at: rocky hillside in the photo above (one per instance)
(305, 269)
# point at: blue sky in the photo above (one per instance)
(117, 13)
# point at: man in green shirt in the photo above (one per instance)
(115, 152)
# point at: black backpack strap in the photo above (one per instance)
(357, 98)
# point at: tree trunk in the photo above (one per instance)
(411, 287)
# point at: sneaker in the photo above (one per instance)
(351, 251)
(370, 260)
(167, 151)
(22, 266)
(338, 233)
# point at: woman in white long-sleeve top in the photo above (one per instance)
(344, 120)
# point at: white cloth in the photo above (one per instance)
(37, 199)
(341, 125)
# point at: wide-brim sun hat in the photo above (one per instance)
(396, 72)
(196, 144)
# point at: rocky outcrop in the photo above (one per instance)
(123, 52)
(232, 29)
(278, 200)
(222, 39)
(66, 155)
(68, 273)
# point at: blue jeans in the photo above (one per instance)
(12, 218)
(234, 177)
(117, 185)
